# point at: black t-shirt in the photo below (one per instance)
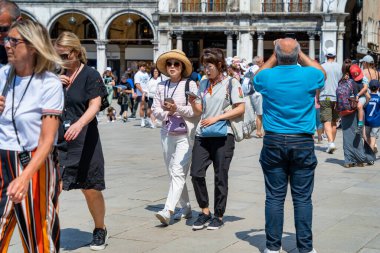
(86, 86)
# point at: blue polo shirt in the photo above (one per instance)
(288, 98)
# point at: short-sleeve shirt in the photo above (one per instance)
(141, 78)
(215, 104)
(333, 75)
(288, 98)
(44, 96)
(372, 111)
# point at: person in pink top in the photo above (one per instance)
(175, 109)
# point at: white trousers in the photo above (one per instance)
(177, 156)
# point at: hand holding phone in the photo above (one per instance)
(169, 100)
(192, 94)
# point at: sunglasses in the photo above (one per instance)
(65, 56)
(4, 29)
(176, 64)
(13, 41)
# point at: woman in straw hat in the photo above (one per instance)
(175, 109)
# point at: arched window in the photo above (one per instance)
(89, 30)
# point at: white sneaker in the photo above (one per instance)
(271, 251)
(163, 216)
(313, 251)
(142, 123)
(183, 213)
(331, 148)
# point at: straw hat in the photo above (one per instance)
(177, 55)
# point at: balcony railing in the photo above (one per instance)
(273, 7)
(299, 7)
(209, 6)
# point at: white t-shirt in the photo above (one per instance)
(334, 74)
(44, 96)
(141, 78)
(152, 86)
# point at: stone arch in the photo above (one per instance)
(54, 18)
(129, 11)
(28, 15)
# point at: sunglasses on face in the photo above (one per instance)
(4, 29)
(13, 41)
(65, 56)
(176, 64)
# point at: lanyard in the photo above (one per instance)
(166, 90)
(13, 101)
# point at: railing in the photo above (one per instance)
(273, 7)
(299, 6)
(209, 6)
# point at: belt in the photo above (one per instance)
(292, 135)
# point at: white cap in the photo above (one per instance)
(368, 59)
(108, 69)
(330, 52)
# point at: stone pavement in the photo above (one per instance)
(346, 202)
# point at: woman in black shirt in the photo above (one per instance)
(82, 157)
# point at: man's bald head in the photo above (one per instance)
(287, 51)
(10, 8)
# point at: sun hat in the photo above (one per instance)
(330, 52)
(368, 59)
(356, 72)
(175, 54)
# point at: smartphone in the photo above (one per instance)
(169, 100)
(192, 94)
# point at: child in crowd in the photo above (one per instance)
(372, 115)
(362, 95)
(111, 114)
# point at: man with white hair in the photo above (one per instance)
(287, 156)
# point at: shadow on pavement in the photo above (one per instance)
(256, 238)
(73, 238)
(334, 161)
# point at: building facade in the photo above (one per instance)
(118, 34)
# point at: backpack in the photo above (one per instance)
(242, 126)
(247, 83)
(345, 96)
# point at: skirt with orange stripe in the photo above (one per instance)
(36, 216)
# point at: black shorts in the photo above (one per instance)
(139, 99)
(150, 102)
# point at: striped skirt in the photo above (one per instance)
(36, 216)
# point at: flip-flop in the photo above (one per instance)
(258, 136)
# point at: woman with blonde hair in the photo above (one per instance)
(28, 127)
(80, 153)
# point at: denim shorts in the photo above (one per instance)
(372, 131)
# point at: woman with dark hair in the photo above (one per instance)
(82, 156)
(356, 151)
(216, 94)
(154, 80)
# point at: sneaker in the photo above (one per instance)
(201, 221)
(163, 216)
(331, 148)
(184, 213)
(271, 251)
(215, 224)
(371, 163)
(313, 251)
(99, 239)
(142, 123)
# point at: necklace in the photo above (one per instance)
(74, 75)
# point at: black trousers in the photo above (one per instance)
(219, 151)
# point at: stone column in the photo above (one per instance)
(122, 47)
(229, 43)
(312, 44)
(155, 44)
(339, 55)
(179, 39)
(170, 41)
(260, 43)
(101, 56)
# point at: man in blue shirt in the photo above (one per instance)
(372, 115)
(287, 155)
